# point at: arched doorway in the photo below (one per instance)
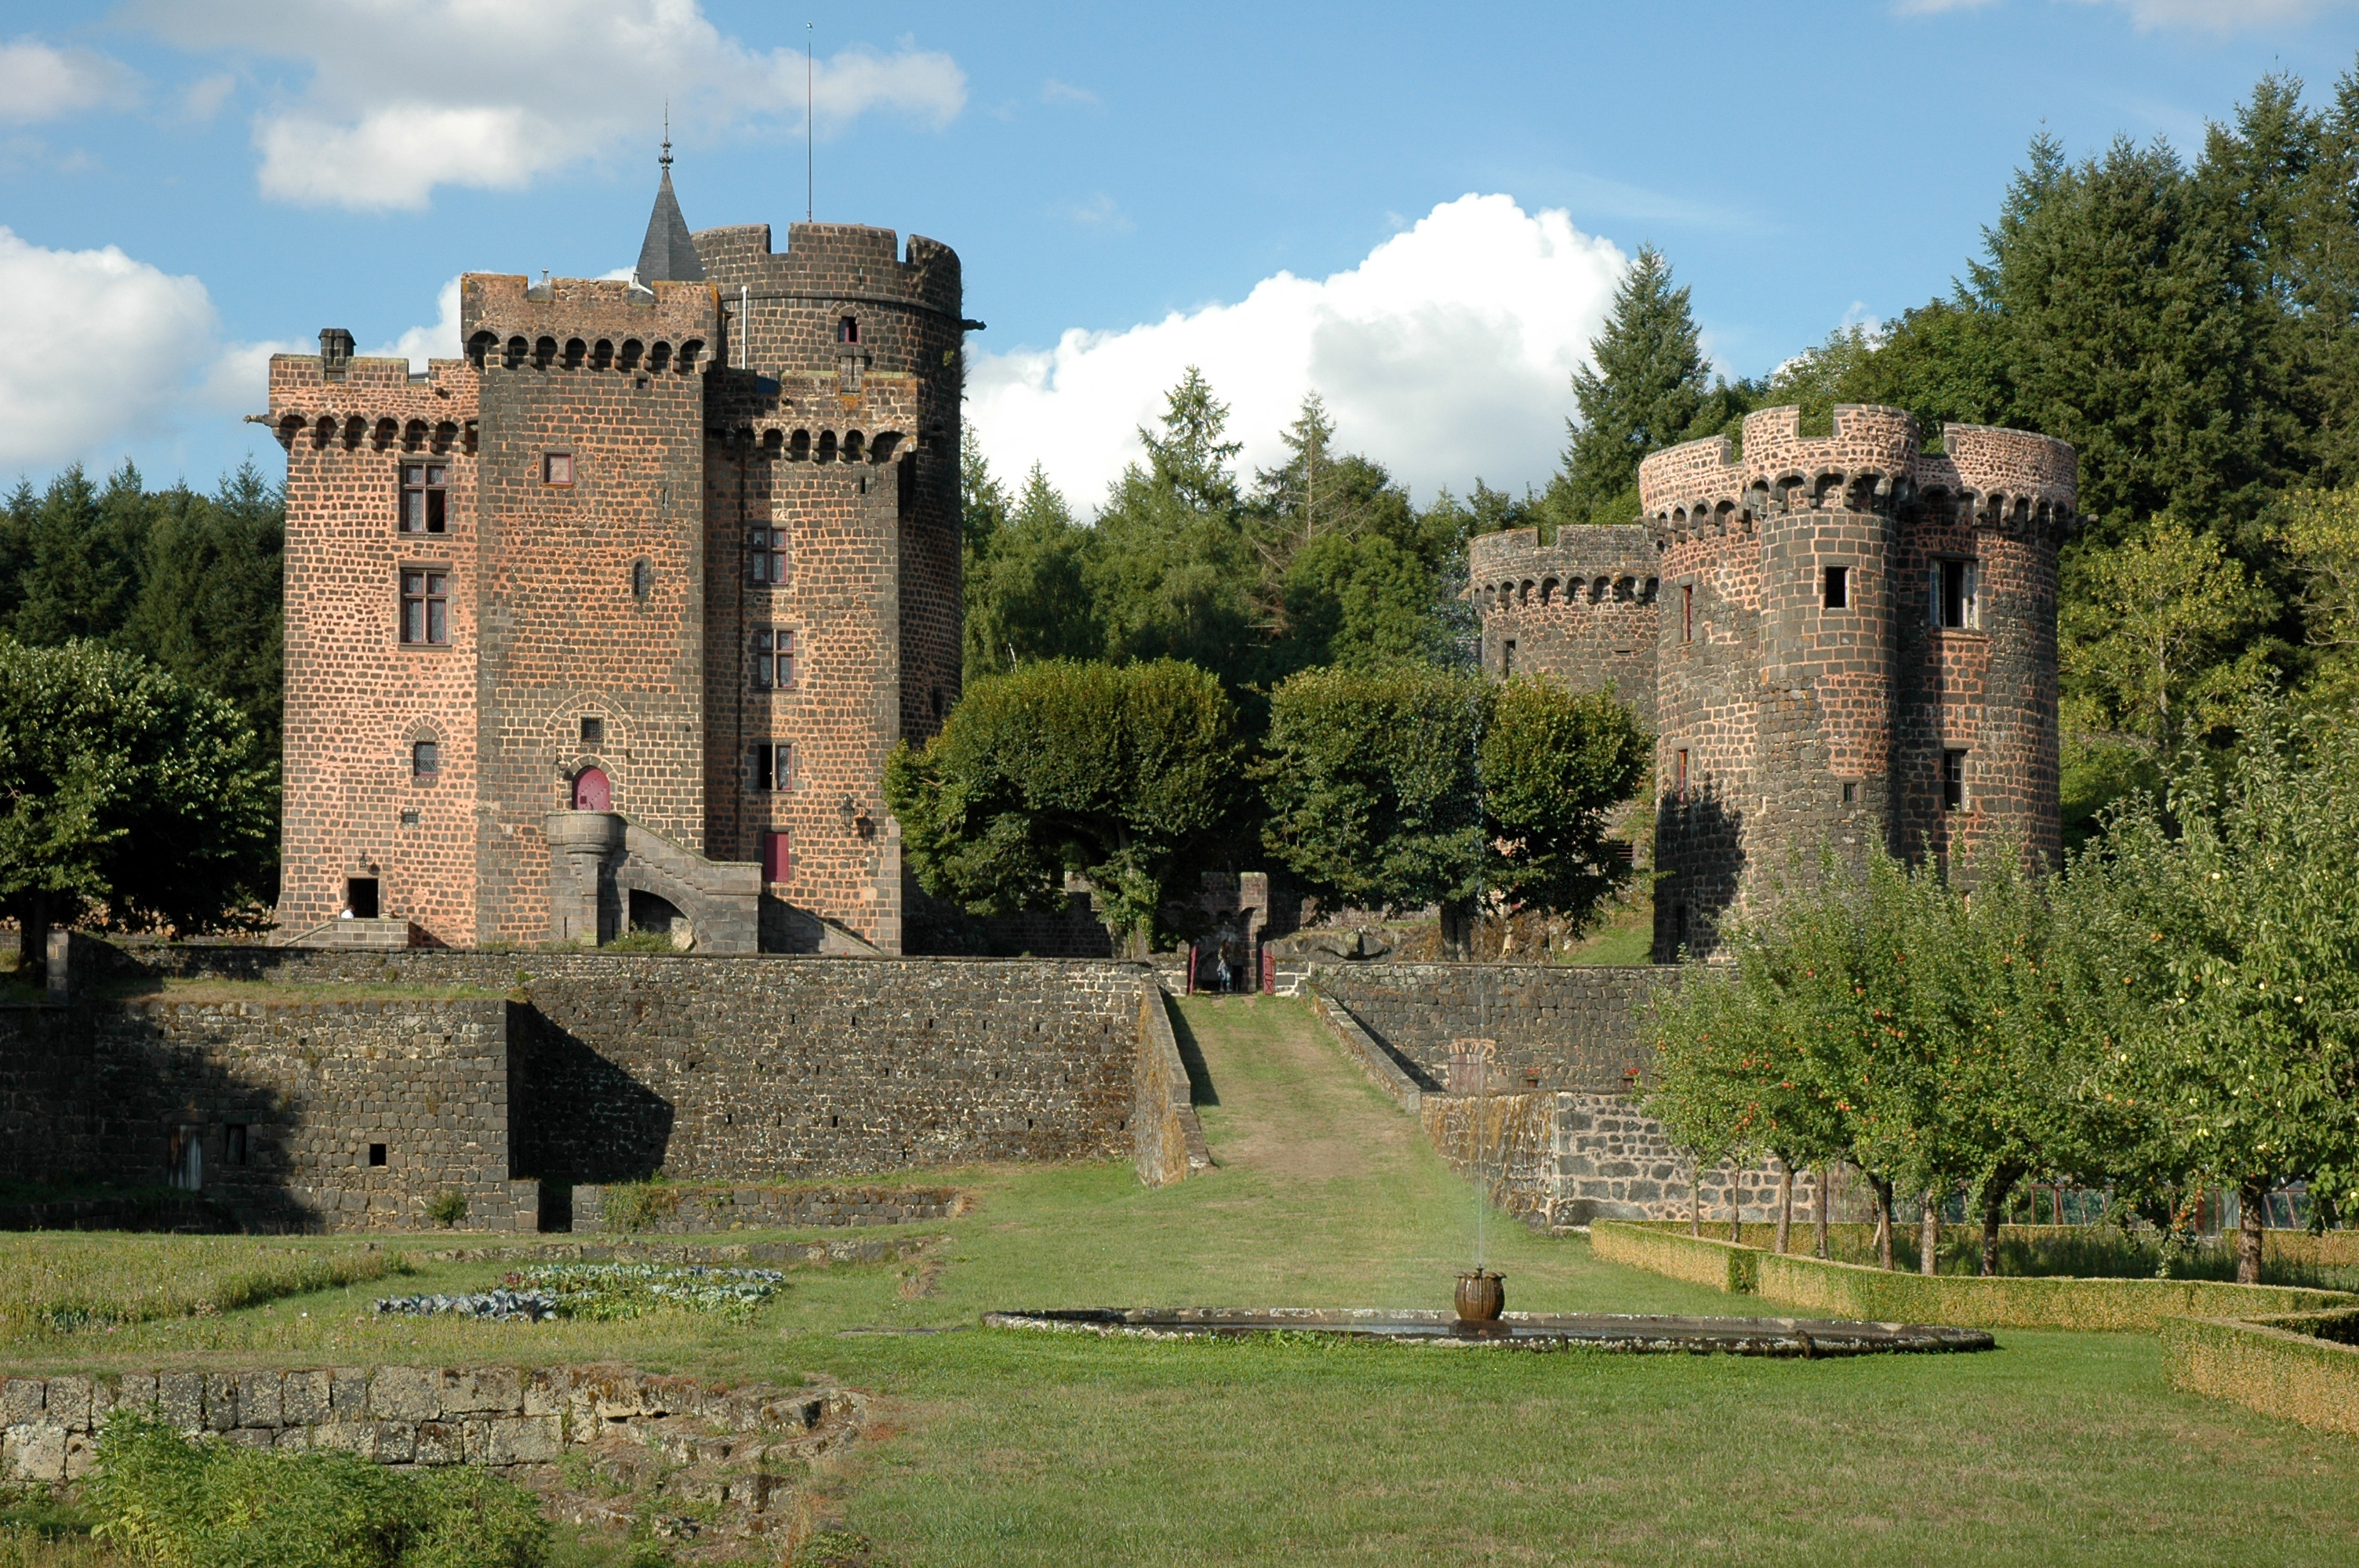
(591, 792)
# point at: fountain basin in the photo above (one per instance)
(1639, 1335)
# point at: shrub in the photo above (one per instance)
(637, 1205)
(446, 1209)
(208, 1504)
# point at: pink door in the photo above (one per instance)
(591, 792)
(776, 861)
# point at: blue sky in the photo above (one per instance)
(1280, 193)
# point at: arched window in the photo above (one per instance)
(591, 792)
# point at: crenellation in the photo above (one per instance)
(599, 464)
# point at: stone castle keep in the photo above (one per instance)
(612, 622)
(1837, 640)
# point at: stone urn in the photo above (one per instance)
(1482, 1296)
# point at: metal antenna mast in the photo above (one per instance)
(810, 159)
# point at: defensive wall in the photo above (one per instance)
(512, 1078)
(1530, 1074)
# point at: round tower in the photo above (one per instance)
(1857, 646)
(1582, 609)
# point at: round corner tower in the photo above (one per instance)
(1856, 645)
(1582, 608)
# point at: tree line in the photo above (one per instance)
(139, 702)
(2176, 1012)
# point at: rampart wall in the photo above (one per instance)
(562, 1068)
(1558, 1027)
(1582, 608)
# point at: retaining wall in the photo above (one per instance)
(1558, 1027)
(593, 1068)
(499, 1417)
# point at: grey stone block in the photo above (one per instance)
(514, 1440)
(307, 1398)
(23, 1400)
(37, 1451)
(439, 1443)
(483, 1391)
(406, 1394)
(221, 1401)
(182, 1396)
(258, 1403)
(348, 1392)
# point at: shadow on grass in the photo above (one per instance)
(1192, 1056)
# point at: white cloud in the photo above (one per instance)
(37, 83)
(1099, 211)
(395, 107)
(2209, 15)
(202, 99)
(440, 342)
(2219, 16)
(101, 347)
(1446, 354)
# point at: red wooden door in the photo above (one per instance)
(590, 791)
(776, 862)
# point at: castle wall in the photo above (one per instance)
(113, 1090)
(356, 699)
(597, 1068)
(1582, 609)
(1574, 1027)
(591, 593)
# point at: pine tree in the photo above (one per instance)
(1643, 393)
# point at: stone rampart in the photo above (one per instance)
(593, 1069)
(289, 1113)
(499, 1417)
(1558, 1027)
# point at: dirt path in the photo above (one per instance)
(1290, 1105)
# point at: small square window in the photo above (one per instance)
(1953, 780)
(425, 609)
(377, 1153)
(770, 768)
(425, 759)
(1508, 657)
(557, 467)
(1954, 605)
(1838, 588)
(1850, 795)
(594, 731)
(424, 507)
(766, 556)
(847, 329)
(410, 816)
(233, 1145)
(774, 659)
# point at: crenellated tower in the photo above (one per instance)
(1582, 608)
(613, 622)
(1856, 645)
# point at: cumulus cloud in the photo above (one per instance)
(439, 341)
(408, 94)
(101, 347)
(37, 83)
(1447, 353)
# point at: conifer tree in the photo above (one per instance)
(1643, 392)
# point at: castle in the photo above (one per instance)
(1837, 640)
(612, 623)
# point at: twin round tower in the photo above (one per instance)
(1838, 641)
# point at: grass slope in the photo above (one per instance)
(999, 1448)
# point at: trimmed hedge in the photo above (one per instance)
(1852, 1291)
(2278, 1366)
(2330, 1249)
(1717, 1265)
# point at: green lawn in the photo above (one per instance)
(1004, 1448)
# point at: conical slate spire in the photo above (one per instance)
(667, 253)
